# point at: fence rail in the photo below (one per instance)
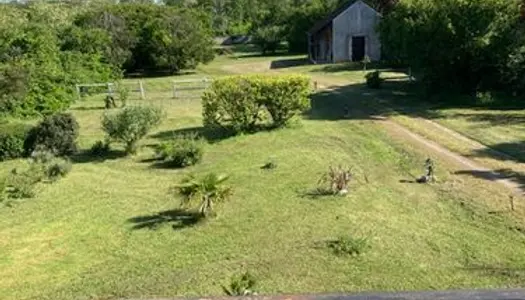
(180, 89)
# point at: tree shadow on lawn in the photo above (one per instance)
(87, 157)
(177, 218)
(496, 175)
(357, 101)
(288, 63)
(511, 151)
(317, 193)
(355, 66)
(509, 272)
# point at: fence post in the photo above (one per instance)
(110, 89)
(142, 94)
(78, 92)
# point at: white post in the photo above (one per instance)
(78, 92)
(110, 89)
(142, 94)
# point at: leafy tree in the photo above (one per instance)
(473, 31)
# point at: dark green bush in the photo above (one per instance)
(348, 245)
(181, 152)
(56, 133)
(99, 149)
(240, 103)
(131, 124)
(374, 80)
(12, 137)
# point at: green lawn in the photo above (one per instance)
(81, 238)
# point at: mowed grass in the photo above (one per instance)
(82, 237)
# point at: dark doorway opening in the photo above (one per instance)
(358, 48)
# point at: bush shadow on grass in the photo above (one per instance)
(317, 193)
(211, 135)
(87, 157)
(288, 63)
(177, 218)
(88, 108)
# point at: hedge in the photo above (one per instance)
(243, 103)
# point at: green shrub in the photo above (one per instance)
(52, 168)
(57, 169)
(21, 184)
(56, 133)
(231, 103)
(239, 103)
(181, 152)
(374, 80)
(12, 139)
(241, 285)
(131, 124)
(348, 245)
(99, 149)
(123, 94)
(484, 98)
(286, 97)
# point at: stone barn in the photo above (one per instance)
(349, 34)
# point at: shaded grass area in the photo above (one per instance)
(79, 237)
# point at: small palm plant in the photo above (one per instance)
(241, 285)
(338, 178)
(207, 190)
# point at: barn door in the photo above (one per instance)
(358, 48)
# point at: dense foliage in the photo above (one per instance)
(12, 137)
(242, 103)
(47, 48)
(145, 37)
(131, 124)
(56, 134)
(484, 43)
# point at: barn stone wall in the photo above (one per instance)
(358, 20)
